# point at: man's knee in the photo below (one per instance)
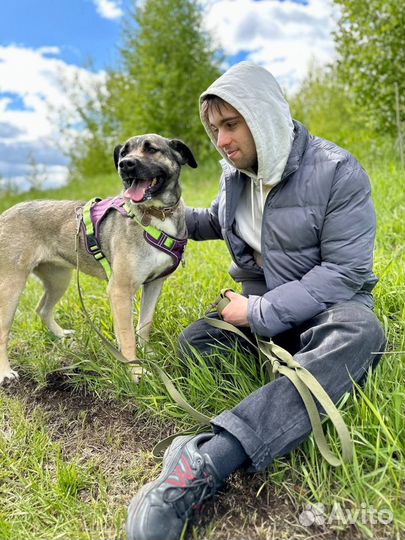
(348, 334)
(202, 338)
(356, 319)
(368, 325)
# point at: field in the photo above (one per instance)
(76, 432)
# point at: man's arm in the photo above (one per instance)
(347, 241)
(203, 223)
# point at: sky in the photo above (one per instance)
(45, 41)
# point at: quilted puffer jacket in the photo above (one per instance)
(317, 234)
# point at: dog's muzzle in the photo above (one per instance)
(142, 190)
(143, 181)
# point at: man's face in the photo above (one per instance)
(233, 136)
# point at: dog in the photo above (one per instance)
(42, 236)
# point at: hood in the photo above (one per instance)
(256, 95)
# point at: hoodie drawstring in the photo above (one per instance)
(261, 193)
(252, 202)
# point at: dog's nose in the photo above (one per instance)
(129, 166)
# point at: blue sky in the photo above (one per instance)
(44, 40)
(72, 25)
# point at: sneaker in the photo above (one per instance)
(161, 509)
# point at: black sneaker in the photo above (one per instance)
(161, 508)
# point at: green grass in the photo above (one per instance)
(41, 491)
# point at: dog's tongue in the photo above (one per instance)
(137, 190)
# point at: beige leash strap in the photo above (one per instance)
(136, 367)
(282, 362)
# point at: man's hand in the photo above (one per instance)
(236, 311)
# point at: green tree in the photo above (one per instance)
(370, 42)
(326, 107)
(87, 137)
(166, 61)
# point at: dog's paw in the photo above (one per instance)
(61, 334)
(8, 376)
(137, 372)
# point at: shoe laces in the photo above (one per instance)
(192, 496)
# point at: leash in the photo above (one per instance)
(283, 363)
(136, 366)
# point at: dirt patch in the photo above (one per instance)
(119, 438)
(247, 511)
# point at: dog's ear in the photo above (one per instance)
(117, 154)
(185, 153)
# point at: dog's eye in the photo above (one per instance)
(147, 147)
(123, 152)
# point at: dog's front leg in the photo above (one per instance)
(150, 295)
(121, 299)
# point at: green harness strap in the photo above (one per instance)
(308, 387)
(92, 243)
(153, 231)
(95, 248)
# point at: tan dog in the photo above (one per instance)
(39, 237)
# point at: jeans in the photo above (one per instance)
(337, 345)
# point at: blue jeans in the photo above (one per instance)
(340, 343)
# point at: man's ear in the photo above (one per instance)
(117, 154)
(185, 153)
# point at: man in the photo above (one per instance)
(298, 219)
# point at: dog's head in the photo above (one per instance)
(149, 167)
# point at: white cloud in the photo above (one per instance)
(31, 93)
(44, 177)
(283, 37)
(108, 9)
(36, 80)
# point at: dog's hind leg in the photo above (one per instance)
(10, 292)
(150, 295)
(55, 280)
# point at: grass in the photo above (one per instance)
(37, 482)
(46, 493)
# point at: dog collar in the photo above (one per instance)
(159, 213)
(94, 212)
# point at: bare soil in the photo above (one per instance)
(120, 438)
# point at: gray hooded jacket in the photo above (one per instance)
(317, 224)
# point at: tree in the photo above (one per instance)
(87, 134)
(322, 104)
(371, 45)
(167, 62)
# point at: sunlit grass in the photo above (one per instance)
(375, 413)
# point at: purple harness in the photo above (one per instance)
(175, 247)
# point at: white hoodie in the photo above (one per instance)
(256, 95)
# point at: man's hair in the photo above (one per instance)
(210, 102)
